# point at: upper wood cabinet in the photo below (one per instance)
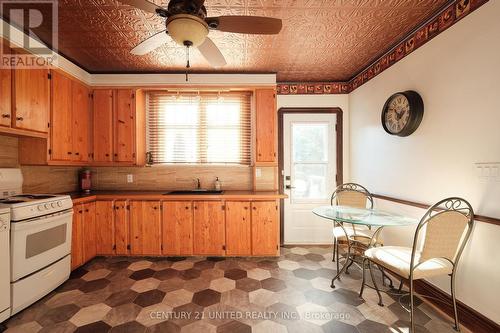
(61, 118)
(265, 228)
(266, 126)
(119, 127)
(209, 228)
(5, 97)
(31, 99)
(177, 228)
(80, 121)
(238, 228)
(103, 125)
(145, 227)
(124, 143)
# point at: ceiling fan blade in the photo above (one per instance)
(246, 24)
(144, 5)
(151, 43)
(211, 53)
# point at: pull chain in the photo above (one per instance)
(187, 62)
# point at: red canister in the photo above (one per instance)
(85, 181)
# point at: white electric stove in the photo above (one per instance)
(40, 240)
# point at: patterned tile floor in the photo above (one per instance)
(287, 294)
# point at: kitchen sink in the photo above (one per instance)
(196, 191)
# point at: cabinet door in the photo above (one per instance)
(265, 123)
(31, 99)
(177, 228)
(105, 227)
(238, 228)
(124, 147)
(103, 125)
(5, 97)
(77, 237)
(89, 231)
(265, 238)
(61, 131)
(121, 227)
(209, 228)
(145, 227)
(81, 121)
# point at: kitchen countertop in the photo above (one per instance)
(79, 197)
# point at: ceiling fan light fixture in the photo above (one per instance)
(187, 28)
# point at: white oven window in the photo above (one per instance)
(45, 240)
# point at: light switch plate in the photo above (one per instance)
(488, 172)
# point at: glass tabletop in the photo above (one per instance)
(370, 217)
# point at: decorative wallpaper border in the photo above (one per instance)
(442, 21)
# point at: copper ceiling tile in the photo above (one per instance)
(321, 40)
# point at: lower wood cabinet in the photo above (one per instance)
(238, 228)
(174, 228)
(177, 225)
(83, 240)
(121, 217)
(105, 231)
(209, 228)
(145, 228)
(265, 228)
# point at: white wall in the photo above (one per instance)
(324, 101)
(457, 74)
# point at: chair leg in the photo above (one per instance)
(400, 286)
(412, 319)
(334, 246)
(454, 299)
(363, 266)
(375, 284)
(337, 256)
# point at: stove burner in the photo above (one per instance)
(8, 201)
(34, 196)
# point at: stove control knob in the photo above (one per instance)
(47, 206)
(59, 203)
(40, 207)
(53, 205)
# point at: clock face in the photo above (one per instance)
(397, 114)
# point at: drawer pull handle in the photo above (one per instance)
(5, 115)
(19, 118)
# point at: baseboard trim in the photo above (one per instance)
(468, 317)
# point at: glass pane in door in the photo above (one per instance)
(310, 142)
(310, 181)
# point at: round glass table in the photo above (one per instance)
(373, 218)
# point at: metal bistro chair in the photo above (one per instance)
(448, 225)
(357, 196)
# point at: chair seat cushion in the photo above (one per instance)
(397, 259)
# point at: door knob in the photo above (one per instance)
(289, 187)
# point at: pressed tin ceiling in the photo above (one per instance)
(321, 40)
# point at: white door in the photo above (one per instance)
(309, 175)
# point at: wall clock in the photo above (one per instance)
(402, 113)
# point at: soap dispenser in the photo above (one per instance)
(217, 184)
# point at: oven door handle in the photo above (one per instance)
(42, 220)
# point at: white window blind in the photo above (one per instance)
(199, 128)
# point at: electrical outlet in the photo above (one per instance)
(258, 173)
(130, 178)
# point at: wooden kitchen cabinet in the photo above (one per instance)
(31, 99)
(238, 228)
(121, 217)
(105, 226)
(265, 228)
(80, 122)
(5, 94)
(124, 138)
(89, 231)
(266, 126)
(209, 228)
(77, 237)
(61, 120)
(145, 228)
(177, 233)
(103, 125)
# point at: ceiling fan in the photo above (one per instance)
(188, 25)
